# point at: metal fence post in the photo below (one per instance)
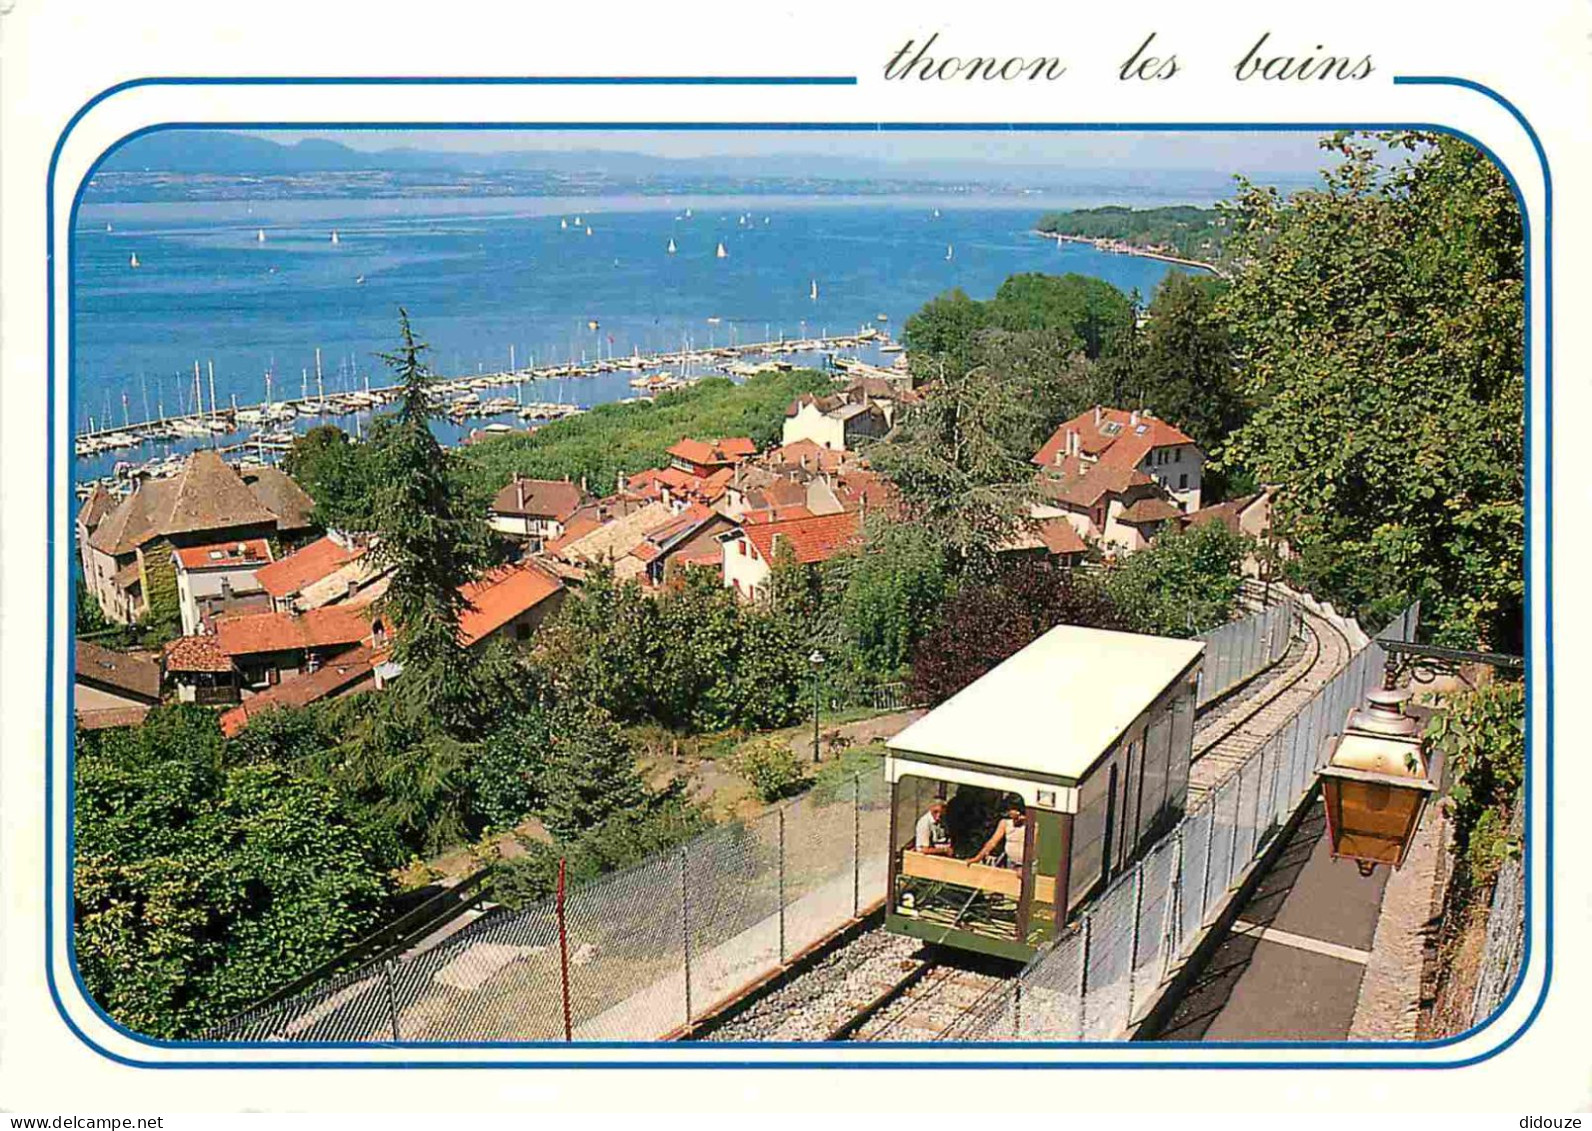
(782, 885)
(1178, 881)
(563, 952)
(1133, 947)
(1205, 876)
(856, 844)
(392, 998)
(685, 929)
(1083, 980)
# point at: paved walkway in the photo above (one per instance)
(1291, 967)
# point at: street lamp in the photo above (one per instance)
(817, 662)
(1377, 783)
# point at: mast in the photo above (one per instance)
(320, 387)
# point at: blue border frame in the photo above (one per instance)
(51, 546)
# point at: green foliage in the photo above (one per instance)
(893, 595)
(162, 619)
(1183, 583)
(1081, 313)
(771, 767)
(1380, 331)
(590, 770)
(1193, 233)
(336, 473)
(284, 736)
(1482, 734)
(612, 439)
(201, 888)
(432, 540)
(691, 658)
(1187, 373)
(835, 780)
(620, 841)
(960, 460)
(508, 773)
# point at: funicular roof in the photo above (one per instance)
(1049, 712)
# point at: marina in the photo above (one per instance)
(261, 433)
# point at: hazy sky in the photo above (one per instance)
(1250, 152)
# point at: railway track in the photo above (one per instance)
(883, 987)
(1227, 737)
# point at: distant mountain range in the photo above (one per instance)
(220, 153)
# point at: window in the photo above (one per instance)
(1177, 455)
(522, 631)
(1182, 482)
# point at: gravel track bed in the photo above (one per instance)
(818, 1001)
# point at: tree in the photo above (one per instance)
(985, 623)
(335, 473)
(1183, 583)
(200, 888)
(431, 541)
(1079, 311)
(1187, 374)
(893, 595)
(960, 458)
(590, 772)
(508, 774)
(1380, 332)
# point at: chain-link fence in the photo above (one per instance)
(641, 953)
(1101, 977)
(634, 955)
(1236, 652)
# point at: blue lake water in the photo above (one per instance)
(481, 275)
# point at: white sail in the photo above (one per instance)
(814, 292)
(334, 236)
(936, 213)
(564, 224)
(107, 227)
(577, 221)
(259, 236)
(688, 214)
(671, 247)
(588, 229)
(721, 253)
(133, 262)
(948, 253)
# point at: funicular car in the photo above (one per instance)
(1085, 736)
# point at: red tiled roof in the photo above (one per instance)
(309, 565)
(288, 632)
(813, 539)
(538, 498)
(339, 675)
(731, 449)
(809, 454)
(1116, 436)
(776, 514)
(196, 654)
(578, 527)
(1228, 514)
(129, 673)
(502, 595)
(103, 718)
(1059, 537)
(1149, 510)
(249, 551)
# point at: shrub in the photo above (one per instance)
(772, 767)
(1483, 734)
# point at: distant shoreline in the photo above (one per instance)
(1119, 248)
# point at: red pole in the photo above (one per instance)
(563, 951)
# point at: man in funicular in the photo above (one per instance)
(930, 836)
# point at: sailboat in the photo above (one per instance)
(563, 225)
(948, 253)
(335, 240)
(721, 253)
(259, 236)
(107, 227)
(588, 229)
(671, 247)
(359, 280)
(813, 293)
(577, 221)
(688, 214)
(936, 213)
(134, 261)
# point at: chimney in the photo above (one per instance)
(1072, 441)
(1133, 419)
(519, 490)
(1099, 413)
(619, 482)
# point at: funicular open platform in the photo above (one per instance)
(1085, 736)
